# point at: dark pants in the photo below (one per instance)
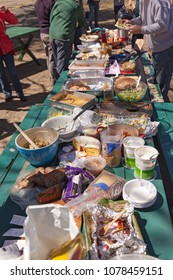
(163, 68)
(62, 51)
(93, 14)
(116, 9)
(8, 59)
(135, 37)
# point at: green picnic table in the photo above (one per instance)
(23, 37)
(155, 222)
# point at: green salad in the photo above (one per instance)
(131, 95)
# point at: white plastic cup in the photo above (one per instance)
(145, 161)
(130, 143)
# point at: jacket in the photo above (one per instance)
(43, 9)
(156, 18)
(64, 17)
(6, 45)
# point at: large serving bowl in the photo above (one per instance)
(131, 93)
(59, 122)
(41, 156)
(89, 39)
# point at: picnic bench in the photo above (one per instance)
(155, 222)
(23, 36)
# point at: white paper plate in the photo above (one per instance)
(141, 193)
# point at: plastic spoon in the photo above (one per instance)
(25, 136)
(138, 81)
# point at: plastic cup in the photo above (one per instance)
(145, 161)
(111, 149)
(130, 143)
(95, 165)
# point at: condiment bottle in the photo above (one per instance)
(104, 39)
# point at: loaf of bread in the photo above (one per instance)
(44, 178)
(50, 194)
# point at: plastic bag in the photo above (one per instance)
(106, 185)
(48, 228)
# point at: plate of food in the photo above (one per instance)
(122, 25)
(127, 67)
(89, 38)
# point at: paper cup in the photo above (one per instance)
(130, 143)
(145, 161)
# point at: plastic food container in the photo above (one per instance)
(91, 131)
(95, 165)
(130, 143)
(145, 161)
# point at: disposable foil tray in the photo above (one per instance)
(70, 100)
(96, 86)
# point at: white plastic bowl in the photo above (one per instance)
(140, 193)
(61, 122)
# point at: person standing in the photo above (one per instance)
(64, 17)
(155, 22)
(118, 4)
(7, 57)
(43, 9)
(94, 6)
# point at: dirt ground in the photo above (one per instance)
(34, 78)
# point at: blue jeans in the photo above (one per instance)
(93, 14)
(8, 59)
(163, 68)
(62, 51)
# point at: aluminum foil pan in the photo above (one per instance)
(121, 239)
(95, 86)
(88, 74)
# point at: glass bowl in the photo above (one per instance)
(132, 94)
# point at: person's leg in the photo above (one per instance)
(62, 51)
(9, 62)
(5, 85)
(96, 14)
(78, 34)
(49, 55)
(116, 9)
(163, 67)
(91, 15)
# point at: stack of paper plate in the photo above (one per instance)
(140, 193)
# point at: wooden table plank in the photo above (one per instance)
(19, 34)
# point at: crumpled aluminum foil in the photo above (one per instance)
(114, 242)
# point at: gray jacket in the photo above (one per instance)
(156, 18)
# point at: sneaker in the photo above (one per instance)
(8, 98)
